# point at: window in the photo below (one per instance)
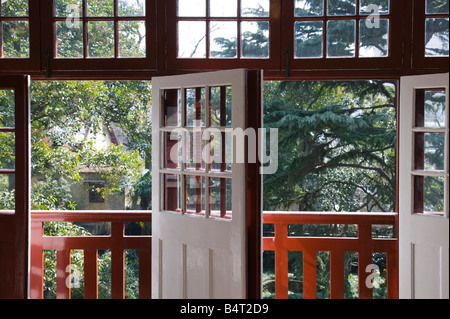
(95, 193)
(14, 29)
(430, 33)
(347, 33)
(222, 32)
(100, 31)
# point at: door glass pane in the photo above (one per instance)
(16, 39)
(430, 108)
(223, 37)
(171, 107)
(172, 142)
(131, 8)
(255, 8)
(195, 107)
(341, 38)
(436, 37)
(220, 104)
(7, 150)
(428, 194)
(308, 39)
(195, 145)
(341, 7)
(101, 39)
(304, 8)
(374, 38)
(195, 195)
(191, 39)
(7, 192)
(430, 151)
(14, 8)
(7, 109)
(255, 39)
(220, 198)
(171, 186)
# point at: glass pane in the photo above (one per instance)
(221, 145)
(304, 8)
(255, 8)
(171, 107)
(69, 8)
(195, 195)
(7, 109)
(132, 36)
(69, 40)
(195, 107)
(341, 7)
(7, 151)
(374, 7)
(192, 8)
(220, 103)
(341, 38)
(255, 39)
(223, 37)
(191, 39)
(430, 108)
(7, 192)
(436, 37)
(220, 8)
(101, 39)
(16, 39)
(308, 39)
(428, 194)
(220, 198)
(171, 193)
(374, 38)
(14, 8)
(131, 8)
(430, 151)
(194, 151)
(436, 6)
(97, 8)
(172, 144)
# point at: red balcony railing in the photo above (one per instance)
(117, 242)
(363, 244)
(282, 243)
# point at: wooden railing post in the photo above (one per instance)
(91, 273)
(117, 261)
(281, 261)
(63, 274)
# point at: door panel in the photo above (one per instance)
(424, 187)
(202, 199)
(14, 186)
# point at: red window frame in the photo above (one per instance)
(392, 61)
(270, 63)
(419, 60)
(51, 63)
(30, 64)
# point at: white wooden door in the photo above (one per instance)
(424, 187)
(199, 187)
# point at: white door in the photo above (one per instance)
(199, 245)
(424, 187)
